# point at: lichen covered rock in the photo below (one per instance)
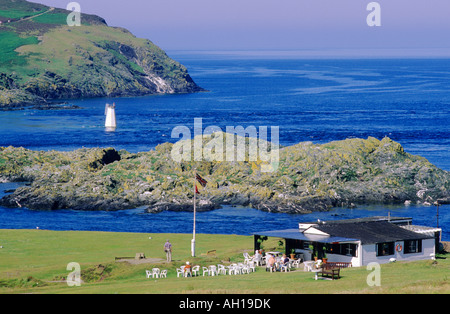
(310, 177)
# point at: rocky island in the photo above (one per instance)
(42, 59)
(310, 177)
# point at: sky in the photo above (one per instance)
(314, 25)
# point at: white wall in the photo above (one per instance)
(344, 259)
(369, 253)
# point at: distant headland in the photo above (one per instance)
(43, 60)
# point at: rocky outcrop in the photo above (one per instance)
(309, 178)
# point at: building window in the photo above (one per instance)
(413, 246)
(385, 249)
(305, 245)
(348, 249)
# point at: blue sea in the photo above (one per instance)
(315, 99)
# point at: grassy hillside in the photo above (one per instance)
(33, 261)
(42, 58)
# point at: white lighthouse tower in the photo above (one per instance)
(110, 112)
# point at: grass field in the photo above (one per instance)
(33, 261)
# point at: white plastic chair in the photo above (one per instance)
(221, 270)
(247, 257)
(251, 266)
(180, 271)
(307, 266)
(296, 263)
(232, 269)
(149, 273)
(284, 268)
(213, 270)
(195, 270)
(163, 274)
(245, 269)
(205, 271)
(263, 260)
(269, 267)
(156, 272)
(238, 268)
(258, 260)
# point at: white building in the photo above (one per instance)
(360, 241)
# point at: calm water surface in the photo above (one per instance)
(310, 100)
(227, 220)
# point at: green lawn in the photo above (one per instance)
(30, 259)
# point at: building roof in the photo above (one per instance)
(295, 234)
(371, 231)
(422, 229)
(366, 231)
(391, 219)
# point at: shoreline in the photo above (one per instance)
(227, 220)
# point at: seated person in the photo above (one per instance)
(187, 269)
(271, 262)
(257, 257)
(284, 260)
(318, 264)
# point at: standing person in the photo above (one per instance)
(168, 250)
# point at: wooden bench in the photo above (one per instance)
(333, 269)
(332, 272)
(123, 257)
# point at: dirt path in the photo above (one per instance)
(32, 17)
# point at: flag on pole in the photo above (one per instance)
(196, 190)
(200, 180)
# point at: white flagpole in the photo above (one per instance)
(193, 234)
